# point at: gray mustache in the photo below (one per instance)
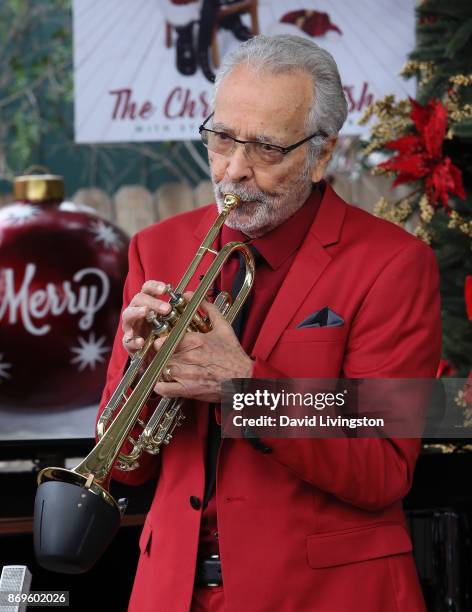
(244, 195)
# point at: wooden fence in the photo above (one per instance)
(134, 207)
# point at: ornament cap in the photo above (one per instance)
(38, 188)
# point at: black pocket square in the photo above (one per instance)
(322, 318)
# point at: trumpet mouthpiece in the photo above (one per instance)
(231, 200)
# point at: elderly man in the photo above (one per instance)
(292, 524)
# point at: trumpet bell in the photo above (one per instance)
(73, 526)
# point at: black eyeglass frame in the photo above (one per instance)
(283, 150)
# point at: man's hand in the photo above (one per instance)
(202, 362)
(134, 325)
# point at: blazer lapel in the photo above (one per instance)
(308, 266)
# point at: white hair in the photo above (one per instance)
(287, 53)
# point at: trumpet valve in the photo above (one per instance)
(160, 326)
(177, 301)
(171, 293)
(152, 317)
(201, 323)
(223, 302)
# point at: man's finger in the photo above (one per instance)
(131, 316)
(216, 318)
(143, 300)
(133, 343)
(131, 324)
(170, 389)
(189, 342)
(159, 342)
(154, 288)
(184, 371)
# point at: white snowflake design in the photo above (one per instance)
(19, 213)
(4, 366)
(105, 234)
(90, 352)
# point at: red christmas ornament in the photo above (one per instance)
(420, 156)
(468, 296)
(62, 270)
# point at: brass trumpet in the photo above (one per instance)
(75, 515)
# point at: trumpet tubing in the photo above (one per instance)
(122, 412)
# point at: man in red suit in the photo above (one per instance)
(292, 525)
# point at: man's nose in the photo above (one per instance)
(239, 166)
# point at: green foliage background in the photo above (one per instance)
(444, 37)
(442, 64)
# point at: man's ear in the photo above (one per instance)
(319, 169)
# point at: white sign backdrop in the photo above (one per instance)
(127, 86)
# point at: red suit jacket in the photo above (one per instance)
(317, 525)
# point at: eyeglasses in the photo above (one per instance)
(258, 152)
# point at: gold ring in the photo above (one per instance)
(168, 374)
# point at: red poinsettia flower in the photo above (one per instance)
(419, 156)
(468, 296)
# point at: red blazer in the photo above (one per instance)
(317, 525)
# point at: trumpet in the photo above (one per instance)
(75, 516)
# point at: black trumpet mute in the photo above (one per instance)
(73, 526)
